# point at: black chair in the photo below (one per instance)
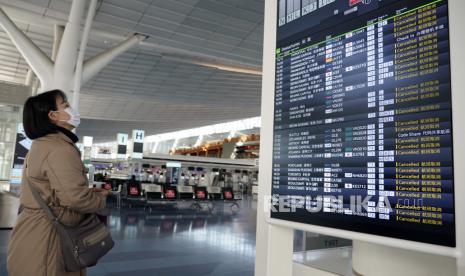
(200, 195)
(229, 196)
(135, 196)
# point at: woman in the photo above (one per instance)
(53, 166)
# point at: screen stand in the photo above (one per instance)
(280, 253)
(371, 259)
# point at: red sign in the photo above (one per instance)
(133, 191)
(201, 194)
(228, 195)
(170, 193)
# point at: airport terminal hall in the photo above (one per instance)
(232, 138)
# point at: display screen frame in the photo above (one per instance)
(457, 34)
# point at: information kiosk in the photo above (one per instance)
(363, 106)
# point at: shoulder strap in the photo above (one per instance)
(39, 199)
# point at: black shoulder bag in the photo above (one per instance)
(83, 245)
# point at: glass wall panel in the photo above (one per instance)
(10, 116)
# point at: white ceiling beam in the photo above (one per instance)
(94, 65)
(37, 60)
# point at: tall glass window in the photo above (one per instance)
(10, 116)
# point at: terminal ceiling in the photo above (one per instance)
(169, 82)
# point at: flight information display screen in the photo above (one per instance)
(362, 118)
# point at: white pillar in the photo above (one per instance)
(57, 36)
(81, 56)
(29, 77)
(267, 251)
(58, 31)
(31, 81)
(35, 86)
(65, 62)
(280, 251)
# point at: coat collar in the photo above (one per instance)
(70, 135)
(61, 134)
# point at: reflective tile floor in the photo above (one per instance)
(177, 240)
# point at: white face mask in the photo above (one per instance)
(75, 117)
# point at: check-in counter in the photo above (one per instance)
(214, 192)
(151, 188)
(185, 192)
(152, 191)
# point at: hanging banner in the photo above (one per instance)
(138, 144)
(122, 145)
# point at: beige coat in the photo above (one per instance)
(54, 167)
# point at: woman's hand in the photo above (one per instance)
(103, 192)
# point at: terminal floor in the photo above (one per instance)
(176, 241)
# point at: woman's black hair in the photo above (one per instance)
(35, 115)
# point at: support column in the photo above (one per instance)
(280, 251)
(35, 87)
(81, 56)
(58, 31)
(29, 80)
(29, 77)
(460, 265)
(67, 53)
(269, 237)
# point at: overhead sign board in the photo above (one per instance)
(138, 144)
(122, 144)
(173, 165)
